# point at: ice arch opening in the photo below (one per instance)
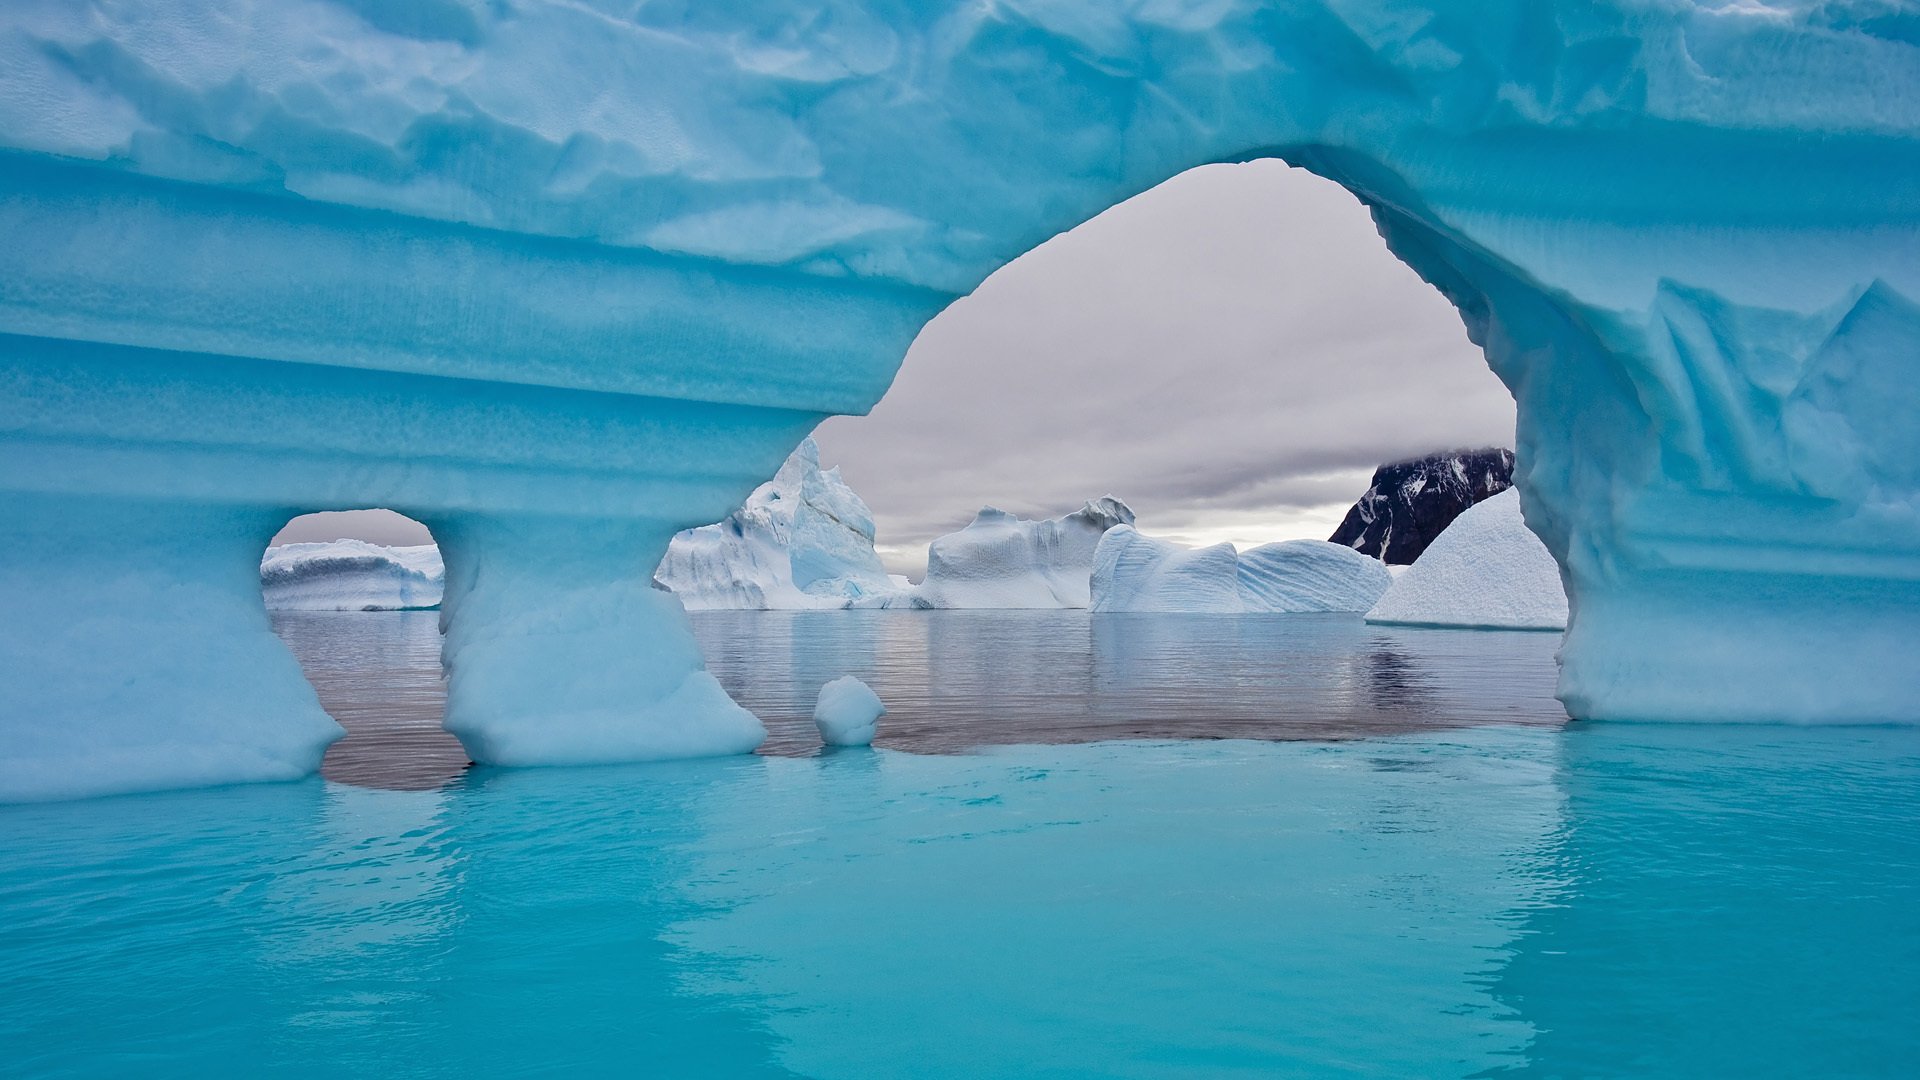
(362, 619)
(562, 282)
(1233, 352)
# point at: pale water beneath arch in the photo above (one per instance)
(1518, 897)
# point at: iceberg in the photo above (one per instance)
(561, 281)
(1133, 572)
(802, 540)
(351, 575)
(1409, 503)
(1486, 571)
(1003, 561)
(847, 712)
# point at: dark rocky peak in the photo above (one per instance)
(1411, 502)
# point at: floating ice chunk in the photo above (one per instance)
(847, 712)
(1132, 572)
(802, 540)
(1487, 570)
(1003, 561)
(351, 575)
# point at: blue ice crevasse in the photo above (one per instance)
(560, 281)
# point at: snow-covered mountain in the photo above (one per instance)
(1003, 561)
(1411, 502)
(802, 540)
(1132, 572)
(351, 575)
(1487, 570)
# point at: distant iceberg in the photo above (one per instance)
(1486, 571)
(351, 575)
(1003, 561)
(802, 540)
(1132, 572)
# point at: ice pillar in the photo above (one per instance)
(560, 652)
(1728, 474)
(138, 654)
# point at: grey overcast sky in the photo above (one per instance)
(1232, 353)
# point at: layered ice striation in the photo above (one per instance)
(1486, 571)
(1003, 561)
(561, 281)
(1135, 572)
(802, 540)
(351, 575)
(1409, 503)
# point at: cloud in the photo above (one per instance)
(373, 526)
(1232, 353)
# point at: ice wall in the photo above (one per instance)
(1003, 561)
(351, 575)
(546, 275)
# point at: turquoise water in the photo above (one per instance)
(1497, 899)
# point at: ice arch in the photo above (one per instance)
(561, 280)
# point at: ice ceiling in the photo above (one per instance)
(559, 279)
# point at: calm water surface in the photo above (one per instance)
(378, 674)
(1451, 898)
(957, 680)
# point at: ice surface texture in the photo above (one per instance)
(1003, 561)
(1486, 571)
(351, 575)
(1132, 572)
(561, 282)
(847, 712)
(802, 540)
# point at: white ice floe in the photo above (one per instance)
(1133, 572)
(1487, 570)
(848, 712)
(1003, 561)
(351, 575)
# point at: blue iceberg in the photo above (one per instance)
(560, 282)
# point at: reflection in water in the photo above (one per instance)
(378, 674)
(955, 680)
(1394, 681)
(1579, 901)
(1729, 901)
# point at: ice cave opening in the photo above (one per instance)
(355, 596)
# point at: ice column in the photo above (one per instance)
(138, 651)
(559, 650)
